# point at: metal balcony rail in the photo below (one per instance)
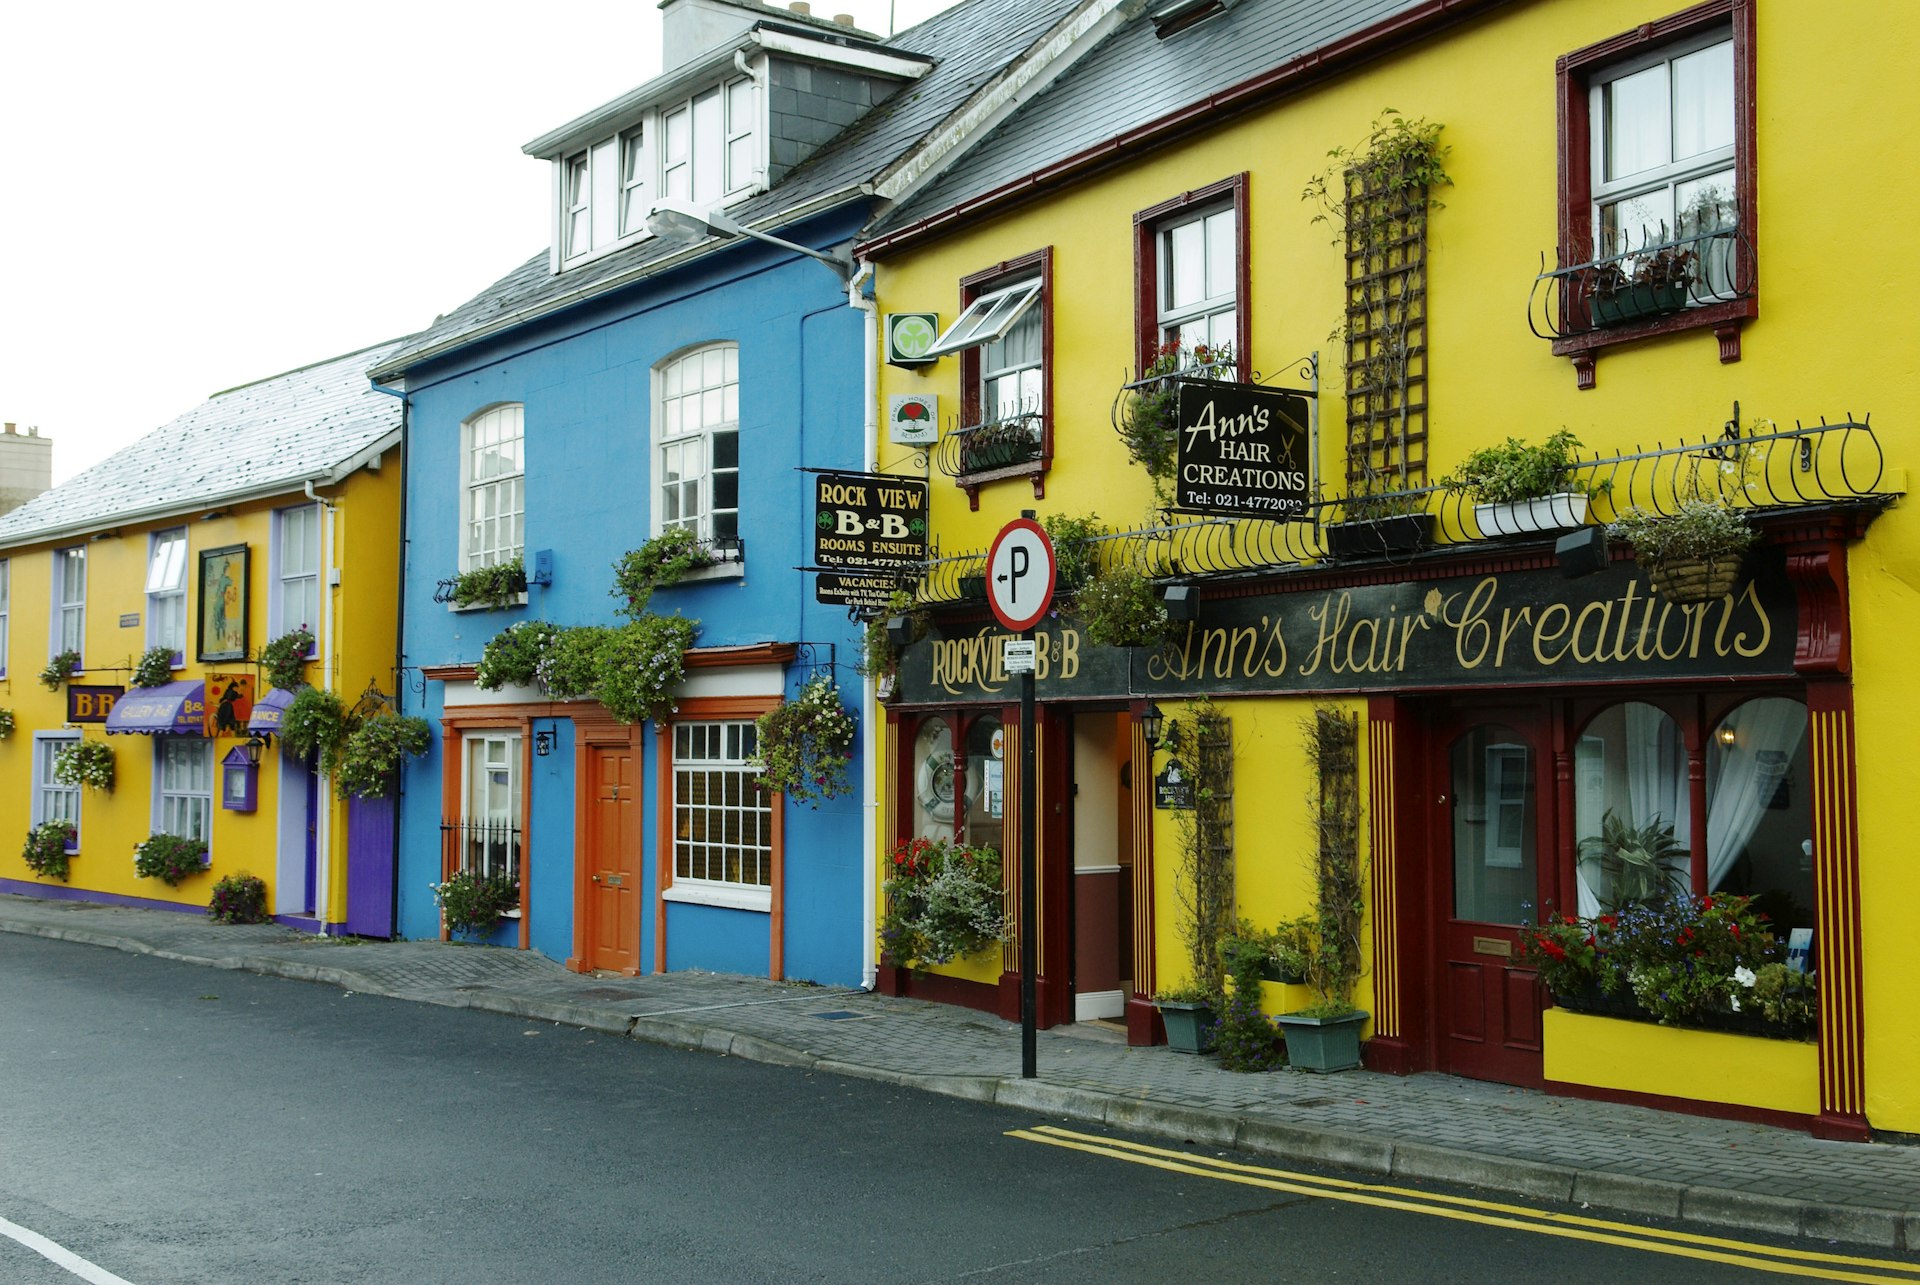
(1662, 276)
(489, 849)
(1818, 464)
(1009, 441)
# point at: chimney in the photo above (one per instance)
(11, 430)
(843, 19)
(802, 8)
(691, 29)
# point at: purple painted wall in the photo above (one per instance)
(370, 829)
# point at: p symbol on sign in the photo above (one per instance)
(1020, 574)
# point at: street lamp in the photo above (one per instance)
(1151, 720)
(680, 221)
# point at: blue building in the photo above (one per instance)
(624, 384)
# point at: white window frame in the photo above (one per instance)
(991, 316)
(686, 816)
(473, 489)
(636, 180)
(190, 796)
(279, 620)
(6, 612)
(167, 591)
(576, 204)
(63, 606)
(53, 801)
(1670, 175)
(485, 751)
(673, 439)
(1176, 321)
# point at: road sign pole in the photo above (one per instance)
(1029, 882)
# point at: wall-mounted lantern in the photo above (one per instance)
(240, 776)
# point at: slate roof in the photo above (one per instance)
(263, 437)
(1134, 78)
(971, 42)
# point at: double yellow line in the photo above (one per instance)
(1490, 1213)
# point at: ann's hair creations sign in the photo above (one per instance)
(1531, 628)
(1242, 451)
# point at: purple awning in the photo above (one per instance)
(176, 709)
(268, 709)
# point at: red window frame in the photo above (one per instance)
(1147, 225)
(1040, 263)
(1575, 73)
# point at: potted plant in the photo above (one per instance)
(6, 723)
(88, 763)
(1647, 284)
(1378, 526)
(60, 669)
(945, 901)
(492, 587)
(1519, 488)
(239, 899)
(1119, 607)
(662, 561)
(1693, 554)
(374, 751)
(1147, 418)
(314, 728)
(474, 904)
(805, 743)
(999, 444)
(154, 668)
(1291, 946)
(1325, 1036)
(1187, 1013)
(49, 849)
(1632, 864)
(879, 655)
(170, 858)
(285, 658)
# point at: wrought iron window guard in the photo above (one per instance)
(443, 589)
(1662, 277)
(1011, 442)
(1820, 464)
(470, 843)
(721, 549)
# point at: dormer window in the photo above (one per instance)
(710, 150)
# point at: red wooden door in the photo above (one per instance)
(613, 861)
(1491, 836)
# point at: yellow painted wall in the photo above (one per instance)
(112, 824)
(1828, 342)
(1708, 1066)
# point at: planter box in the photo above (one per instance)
(1380, 537)
(1637, 302)
(1547, 513)
(1272, 971)
(1677, 1062)
(1323, 1044)
(1190, 1027)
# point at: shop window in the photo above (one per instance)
(696, 438)
(53, 801)
(1495, 824)
(723, 845)
(986, 784)
(934, 780)
(183, 787)
(1759, 810)
(1630, 782)
(961, 798)
(167, 592)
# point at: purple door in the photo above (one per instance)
(370, 835)
(310, 858)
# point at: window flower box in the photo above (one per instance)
(1398, 533)
(1004, 444)
(1546, 513)
(1677, 1062)
(1637, 301)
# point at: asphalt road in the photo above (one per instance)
(169, 1122)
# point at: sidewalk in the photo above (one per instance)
(1433, 1127)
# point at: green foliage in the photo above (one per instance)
(1076, 555)
(6, 723)
(806, 743)
(88, 763)
(1634, 863)
(1149, 421)
(571, 665)
(170, 858)
(1399, 158)
(492, 587)
(642, 666)
(154, 668)
(46, 851)
(285, 658)
(59, 670)
(376, 748)
(239, 899)
(474, 904)
(944, 902)
(1203, 883)
(661, 561)
(1515, 472)
(1334, 968)
(314, 728)
(878, 656)
(1703, 528)
(513, 657)
(1247, 1039)
(1783, 996)
(1119, 607)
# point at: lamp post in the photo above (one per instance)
(680, 221)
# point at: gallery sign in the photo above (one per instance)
(1529, 628)
(868, 528)
(1241, 450)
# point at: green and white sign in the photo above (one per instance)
(909, 335)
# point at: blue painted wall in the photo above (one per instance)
(586, 382)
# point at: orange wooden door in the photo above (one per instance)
(613, 860)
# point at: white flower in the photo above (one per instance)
(1745, 977)
(1733, 1001)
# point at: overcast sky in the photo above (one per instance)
(197, 195)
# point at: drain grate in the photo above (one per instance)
(840, 1015)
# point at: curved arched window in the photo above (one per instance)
(696, 440)
(1631, 812)
(1759, 813)
(492, 488)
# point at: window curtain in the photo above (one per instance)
(1646, 778)
(1737, 790)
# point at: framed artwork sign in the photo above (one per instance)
(223, 603)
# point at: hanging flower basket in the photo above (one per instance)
(806, 743)
(1686, 580)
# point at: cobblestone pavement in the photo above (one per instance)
(1435, 1127)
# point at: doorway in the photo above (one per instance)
(1101, 834)
(610, 927)
(1490, 840)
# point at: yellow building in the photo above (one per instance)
(1606, 189)
(267, 509)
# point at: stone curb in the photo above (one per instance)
(1718, 1207)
